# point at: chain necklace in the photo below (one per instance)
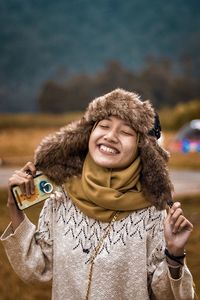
(95, 252)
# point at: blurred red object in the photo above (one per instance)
(187, 139)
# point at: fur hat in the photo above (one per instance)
(62, 154)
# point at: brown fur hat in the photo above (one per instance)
(62, 154)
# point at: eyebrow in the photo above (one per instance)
(124, 122)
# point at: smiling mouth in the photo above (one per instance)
(108, 149)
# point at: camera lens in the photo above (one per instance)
(46, 187)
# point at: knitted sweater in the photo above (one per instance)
(130, 264)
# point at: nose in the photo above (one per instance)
(111, 135)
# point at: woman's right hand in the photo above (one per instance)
(24, 179)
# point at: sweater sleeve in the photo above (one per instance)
(161, 285)
(29, 250)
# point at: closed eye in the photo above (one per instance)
(103, 126)
(127, 133)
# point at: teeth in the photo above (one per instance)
(108, 149)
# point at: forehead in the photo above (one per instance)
(117, 120)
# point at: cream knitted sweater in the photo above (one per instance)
(129, 266)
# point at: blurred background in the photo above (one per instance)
(56, 56)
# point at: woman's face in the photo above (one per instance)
(113, 143)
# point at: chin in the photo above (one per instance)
(105, 164)
(108, 165)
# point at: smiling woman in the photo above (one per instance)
(113, 143)
(107, 233)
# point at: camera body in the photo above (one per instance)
(44, 187)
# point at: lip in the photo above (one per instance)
(108, 146)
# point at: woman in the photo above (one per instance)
(107, 235)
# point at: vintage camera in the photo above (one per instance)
(44, 187)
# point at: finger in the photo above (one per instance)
(28, 186)
(177, 226)
(174, 217)
(24, 183)
(22, 174)
(17, 180)
(22, 187)
(29, 167)
(186, 225)
(32, 184)
(175, 206)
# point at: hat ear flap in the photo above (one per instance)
(61, 155)
(155, 179)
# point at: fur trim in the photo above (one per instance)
(62, 154)
(155, 179)
(124, 105)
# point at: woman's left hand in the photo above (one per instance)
(177, 230)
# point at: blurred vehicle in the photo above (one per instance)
(187, 139)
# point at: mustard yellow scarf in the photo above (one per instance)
(101, 192)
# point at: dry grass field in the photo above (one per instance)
(19, 143)
(12, 288)
(21, 133)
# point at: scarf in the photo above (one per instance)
(101, 192)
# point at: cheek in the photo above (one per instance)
(92, 141)
(94, 136)
(130, 148)
(90, 144)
